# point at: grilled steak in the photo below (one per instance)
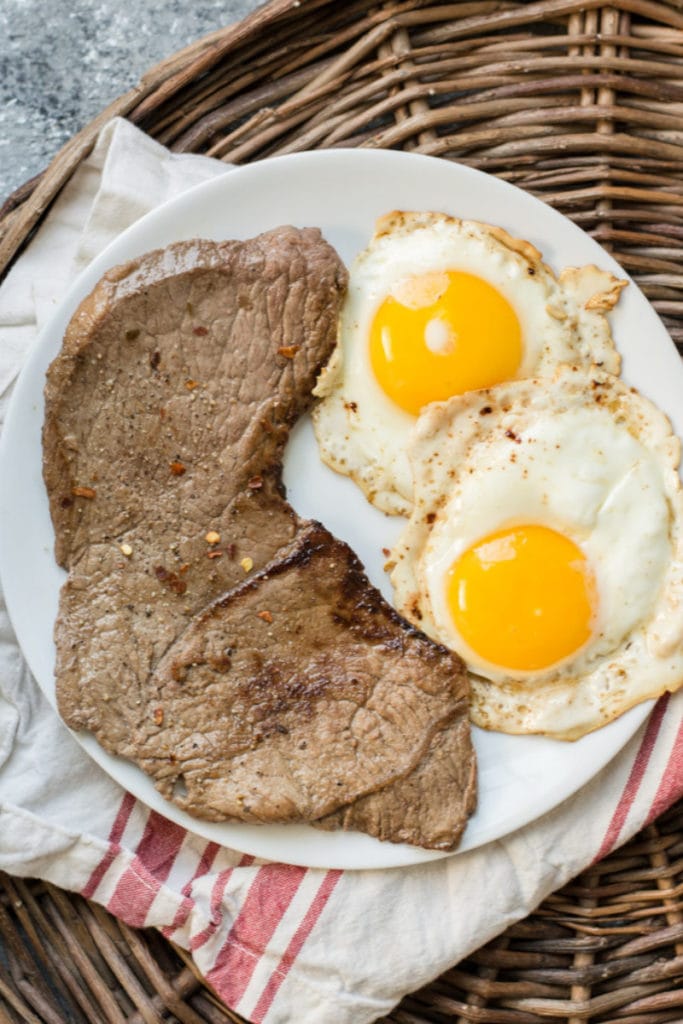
(430, 805)
(167, 412)
(302, 690)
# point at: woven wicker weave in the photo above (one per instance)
(580, 104)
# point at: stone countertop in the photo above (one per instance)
(62, 63)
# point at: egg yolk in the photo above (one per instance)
(440, 334)
(522, 598)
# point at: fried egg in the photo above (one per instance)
(545, 546)
(436, 307)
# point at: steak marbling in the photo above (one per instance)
(167, 412)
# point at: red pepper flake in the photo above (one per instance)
(159, 716)
(83, 492)
(265, 615)
(184, 567)
(214, 554)
(170, 579)
(191, 384)
(231, 551)
(176, 467)
(200, 331)
(256, 483)
(288, 351)
(386, 552)
(66, 501)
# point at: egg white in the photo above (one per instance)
(360, 431)
(584, 454)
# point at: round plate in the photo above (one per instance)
(342, 192)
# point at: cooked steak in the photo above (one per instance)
(167, 412)
(301, 691)
(430, 805)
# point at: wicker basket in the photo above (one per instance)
(580, 104)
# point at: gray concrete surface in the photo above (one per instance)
(63, 61)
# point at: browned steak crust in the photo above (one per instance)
(301, 691)
(167, 412)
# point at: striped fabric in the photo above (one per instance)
(278, 942)
(333, 946)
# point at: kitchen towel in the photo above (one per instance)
(279, 943)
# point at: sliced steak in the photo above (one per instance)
(167, 413)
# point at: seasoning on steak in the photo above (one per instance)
(304, 690)
(305, 696)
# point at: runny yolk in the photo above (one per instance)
(440, 334)
(522, 598)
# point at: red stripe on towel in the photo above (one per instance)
(670, 787)
(114, 848)
(635, 778)
(142, 880)
(216, 899)
(267, 901)
(294, 948)
(184, 910)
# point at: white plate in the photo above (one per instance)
(342, 192)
